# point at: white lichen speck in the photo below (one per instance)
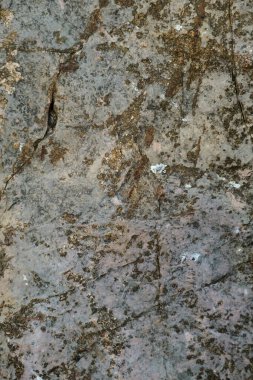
(178, 27)
(194, 256)
(158, 168)
(234, 185)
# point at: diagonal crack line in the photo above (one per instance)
(217, 280)
(98, 332)
(70, 50)
(116, 269)
(133, 317)
(233, 63)
(232, 272)
(15, 171)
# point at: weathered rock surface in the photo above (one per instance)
(111, 269)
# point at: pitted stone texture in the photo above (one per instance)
(109, 269)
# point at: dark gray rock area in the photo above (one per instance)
(126, 190)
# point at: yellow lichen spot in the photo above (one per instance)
(9, 75)
(114, 159)
(16, 145)
(3, 103)
(6, 16)
(8, 40)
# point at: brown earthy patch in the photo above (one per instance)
(125, 3)
(57, 153)
(103, 3)
(88, 161)
(193, 155)
(26, 153)
(94, 21)
(159, 192)
(70, 218)
(3, 262)
(200, 9)
(175, 83)
(6, 16)
(17, 364)
(18, 323)
(128, 119)
(156, 8)
(43, 152)
(114, 159)
(69, 66)
(140, 167)
(9, 233)
(149, 136)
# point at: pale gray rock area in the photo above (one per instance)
(126, 131)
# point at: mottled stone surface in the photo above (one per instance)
(113, 266)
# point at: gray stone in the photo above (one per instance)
(109, 269)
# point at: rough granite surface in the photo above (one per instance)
(126, 183)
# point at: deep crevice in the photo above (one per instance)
(69, 64)
(52, 118)
(51, 124)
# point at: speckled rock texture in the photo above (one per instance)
(126, 131)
